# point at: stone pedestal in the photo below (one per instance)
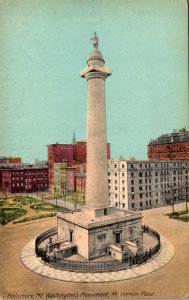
(94, 235)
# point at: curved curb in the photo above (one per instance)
(36, 265)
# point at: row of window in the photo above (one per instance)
(147, 203)
(27, 186)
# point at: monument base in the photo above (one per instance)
(94, 233)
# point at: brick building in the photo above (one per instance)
(58, 153)
(80, 179)
(80, 151)
(70, 180)
(71, 153)
(174, 146)
(24, 178)
(10, 160)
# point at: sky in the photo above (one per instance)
(44, 46)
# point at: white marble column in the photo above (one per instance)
(97, 194)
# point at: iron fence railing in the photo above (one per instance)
(42, 237)
(91, 266)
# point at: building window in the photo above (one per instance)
(123, 196)
(132, 196)
(123, 189)
(140, 204)
(115, 195)
(132, 174)
(123, 205)
(140, 181)
(132, 181)
(132, 189)
(132, 166)
(115, 174)
(123, 181)
(123, 166)
(115, 181)
(116, 204)
(140, 188)
(133, 205)
(140, 174)
(141, 196)
(115, 166)
(147, 203)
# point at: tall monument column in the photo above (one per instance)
(97, 194)
(98, 227)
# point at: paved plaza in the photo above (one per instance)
(170, 281)
(36, 265)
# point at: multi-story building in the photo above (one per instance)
(58, 153)
(24, 178)
(71, 153)
(70, 180)
(80, 151)
(174, 146)
(80, 179)
(59, 187)
(10, 160)
(141, 184)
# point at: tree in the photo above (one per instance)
(182, 129)
(169, 197)
(55, 194)
(75, 198)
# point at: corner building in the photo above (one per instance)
(142, 184)
(174, 146)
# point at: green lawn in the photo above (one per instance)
(36, 217)
(26, 200)
(10, 214)
(3, 202)
(15, 210)
(46, 207)
(180, 216)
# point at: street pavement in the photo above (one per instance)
(171, 281)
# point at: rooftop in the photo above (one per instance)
(173, 137)
(86, 221)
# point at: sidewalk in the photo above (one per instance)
(36, 265)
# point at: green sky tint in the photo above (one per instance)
(44, 45)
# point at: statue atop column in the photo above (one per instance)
(95, 40)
